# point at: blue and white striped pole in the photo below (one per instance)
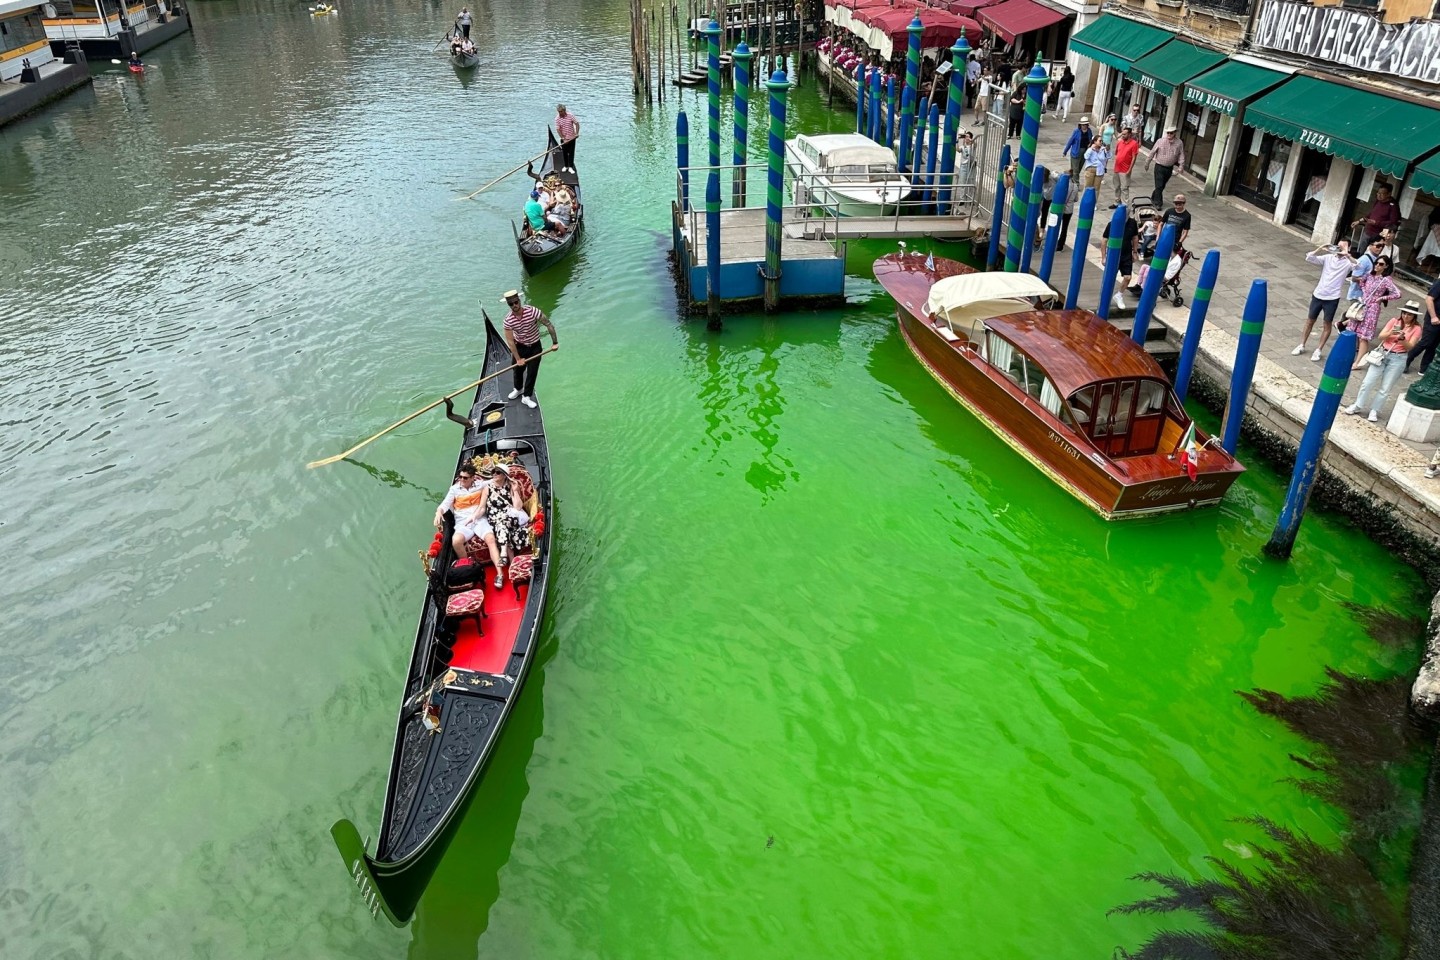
(1035, 82)
(1052, 226)
(1312, 445)
(1150, 291)
(997, 212)
(1082, 243)
(1113, 251)
(1032, 216)
(1247, 349)
(1199, 307)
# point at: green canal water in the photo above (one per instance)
(828, 669)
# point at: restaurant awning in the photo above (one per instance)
(967, 8)
(1369, 129)
(1231, 86)
(1117, 42)
(1426, 177)
(1165, 68)
(889, 28)
(1012, 18)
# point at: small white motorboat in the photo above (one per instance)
(846, 173)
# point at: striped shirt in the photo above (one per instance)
(567, 126)
(464, 501)
(525, 326)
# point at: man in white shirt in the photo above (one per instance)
(1335, 266)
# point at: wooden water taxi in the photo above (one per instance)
(847, 173)
(1067, 390)
(474, 645)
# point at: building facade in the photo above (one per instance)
(1306, 112)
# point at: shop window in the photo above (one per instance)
(1197, 131)
(1260, 168)
(1309, 188)
(1154, 106)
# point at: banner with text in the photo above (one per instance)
(1352, 38)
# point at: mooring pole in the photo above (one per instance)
(778, 86)
(1052, 225)
(712, 32)
(860, 98)
(877, 96)
(1252, 327)
(712, 249)
(910, 97)
(741, 58)
(917, 150)
(955, 101)
(1081, 243)
(1150, 290)
(1113, 246)
(1199, 306)
(997, 212)
(1035, 82)
(1312, 445)
(682, 158)
(1032, 216)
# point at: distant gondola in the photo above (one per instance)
(539, 251)
(465, 61)
(466, 670)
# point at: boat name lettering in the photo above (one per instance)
(1207, 99)
(1310, 138)
(1164, 491)
(1064, 445)
(1351, 38)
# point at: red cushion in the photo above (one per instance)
(471, 601)
(521, 568)
(479, 553)
(523, 484)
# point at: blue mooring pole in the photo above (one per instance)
(1312, 445)
(1035, 82)
(889, 127)
(682, 158)
(860, 98)
(1082, 243)
(1113, 246)
(713, 79)
(997, 213)
(1061, 192)
(917, 149)
(1252, 327)
(934, 153)
(907, 124)
(1199, 306)
(1032, 217)
(877, 94)
(739, 153)
(1150, 291)
(778, 86)
(712, 248)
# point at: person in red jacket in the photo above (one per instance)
(1127, 148)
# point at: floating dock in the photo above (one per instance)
(812, 270)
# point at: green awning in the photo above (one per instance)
(1426, 177)
(1165, 69)
(1365, 128)
(1231, 86)
(1117, 42)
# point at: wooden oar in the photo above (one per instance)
(503, 176)
(429, 406)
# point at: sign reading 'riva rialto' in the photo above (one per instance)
(1351, 38)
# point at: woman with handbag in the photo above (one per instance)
(1387, 361)
(1376, 290)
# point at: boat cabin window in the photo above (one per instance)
(1122, 417)
(862, 173)
(1026, 374)
(807, 148)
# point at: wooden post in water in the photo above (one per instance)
(778, 86)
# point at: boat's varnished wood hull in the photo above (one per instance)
(1116, 489)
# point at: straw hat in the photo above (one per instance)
(1411, 306)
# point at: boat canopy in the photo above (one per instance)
(1076, 348)
(969, 296)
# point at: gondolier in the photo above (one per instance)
(567, 126)
(463, 22)
(522, 333)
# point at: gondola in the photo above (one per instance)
(466, 670)
(465, 61)
(539, 252)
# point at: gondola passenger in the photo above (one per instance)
(466, 499)
(538, 219)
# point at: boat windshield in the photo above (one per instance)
(863, 173)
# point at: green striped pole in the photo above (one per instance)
(742, 57)
(910, 96)
(713, 33)
(778, 86)
(1035, 82)
(959, 54)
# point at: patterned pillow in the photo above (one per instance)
(479, 553)
(522, 567)
(523, 484)
(461, 604)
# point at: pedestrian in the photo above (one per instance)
(1376, 290)
(1384, 214)
(1335, 265)
(1430, 338)
(1017, 110)
(982, 97)
(1127, 148)
(1396, 340)
(1129, 252)
(1067, 94)
(1097, 158)
(463, 22)
(965, 166)
(522, 333)
(1387, 245)
(1070, 199)
(1076, 146)
(972, 79)
(1166, 156)
(1180, 218)
(567, 125)
(1363, 265)
(1134, 121)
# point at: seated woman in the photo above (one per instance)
(506, 515)
(466, 499)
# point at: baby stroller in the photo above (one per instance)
(1144, 210)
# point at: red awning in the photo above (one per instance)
(942, 28)
(967, 8)
(1011, 18)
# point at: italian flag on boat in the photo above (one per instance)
(1190, 453)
